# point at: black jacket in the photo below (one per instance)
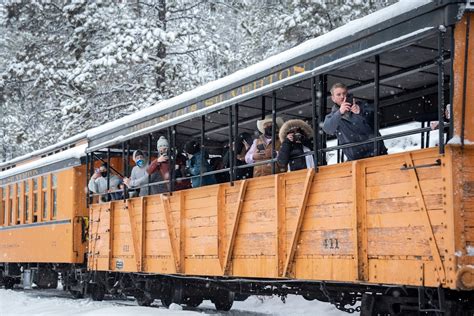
(290, 152)
(353, 128)
(288, 155)
(240, 173)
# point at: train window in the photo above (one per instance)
(10, 203)
(55, 200)
(27, 200)
(19, 208)
(2, 206)
(44, 186)
(35, 200)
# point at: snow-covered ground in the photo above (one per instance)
(57, 302)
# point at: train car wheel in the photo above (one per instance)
(76, 294)
(97, 292)
(144, 299)
(166, 299)
(224, 300)
(9, 283)
(193, 301)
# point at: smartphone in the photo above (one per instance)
(350, 98)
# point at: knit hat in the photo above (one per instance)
(162, 142)
(137, 153)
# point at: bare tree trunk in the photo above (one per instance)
(161, 52)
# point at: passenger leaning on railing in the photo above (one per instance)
(261, 148)
(139, 177)
(180, 173)
(196, 159)
(98, 184)
(351, 122)
(242, 146)
(160, 168)
(295, 136)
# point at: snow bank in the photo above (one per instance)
(27, 303)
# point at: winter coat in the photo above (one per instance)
(193, 166)
(291, 152)
(240, 173)
(181, 184)
(140, 177)
(99, 186)
(255, 153)
(353, 128)
(160, 171)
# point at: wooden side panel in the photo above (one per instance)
(363, 221)
(100, 224)
(468, 196)
(464, 96)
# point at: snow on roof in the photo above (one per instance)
(76, 152)
(346, 30)
(68, 141)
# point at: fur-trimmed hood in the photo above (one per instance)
(292, 124)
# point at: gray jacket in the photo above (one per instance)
(99, 185)
(138, 178)
(353, 128)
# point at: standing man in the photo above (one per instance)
(351, 122)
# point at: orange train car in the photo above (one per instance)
(393, 232)
(43, 216)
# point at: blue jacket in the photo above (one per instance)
(353, 128)
(194, 168)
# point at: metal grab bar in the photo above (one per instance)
(437, 163)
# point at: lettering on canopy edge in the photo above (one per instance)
(256, 84)
(54, 167)
(20, 177)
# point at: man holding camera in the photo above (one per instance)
(351, 122)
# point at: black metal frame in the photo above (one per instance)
(318, 103)
(274, 128)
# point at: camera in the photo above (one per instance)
(298, 137)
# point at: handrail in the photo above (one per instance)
(263, 162)
(385, 137)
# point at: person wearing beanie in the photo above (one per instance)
(159, 167)
(162, 145)
(196, 158)
(139, 176)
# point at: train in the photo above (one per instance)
(391, 234)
